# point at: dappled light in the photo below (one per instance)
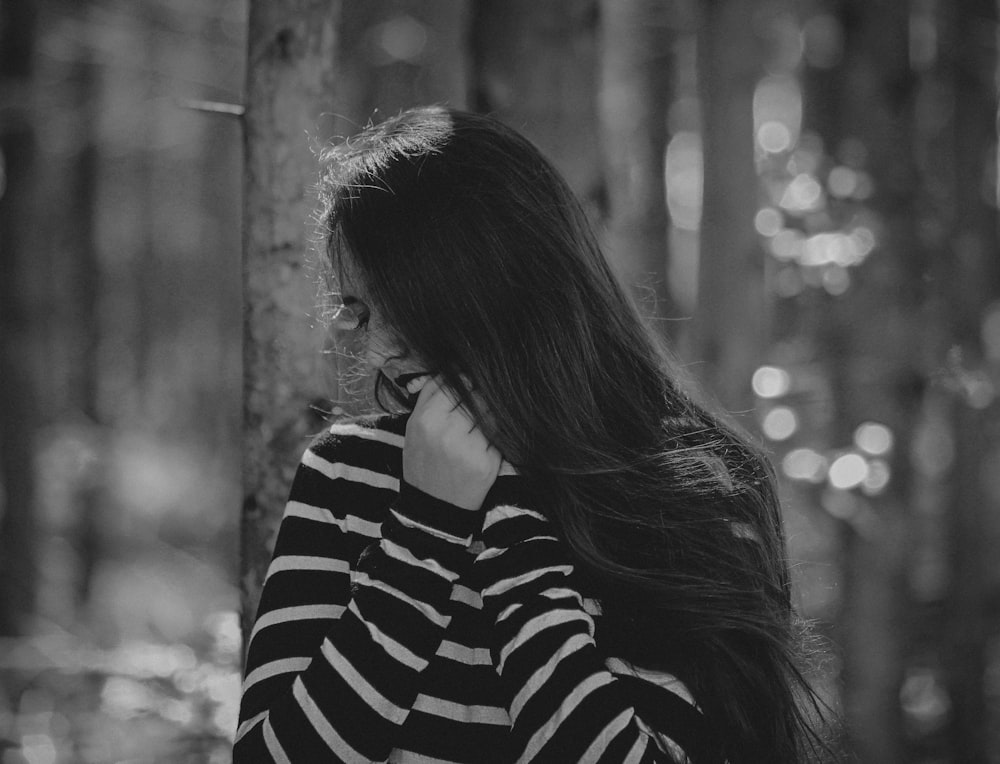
(803, 199)
(140, 700)
(771, 382)
(873, 438)
(848, 471)
(805, 464)
(925, 700)
(683, 169)
(780, 423)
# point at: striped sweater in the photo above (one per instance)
(396, 627)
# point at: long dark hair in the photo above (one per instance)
(480, 257)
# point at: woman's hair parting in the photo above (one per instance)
(483, 262)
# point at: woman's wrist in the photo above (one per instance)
(435, 516)
(445, 454)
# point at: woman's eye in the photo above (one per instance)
(352, 317)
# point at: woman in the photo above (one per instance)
(553, 553)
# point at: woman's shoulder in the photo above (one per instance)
(373, 443)
(366, 428)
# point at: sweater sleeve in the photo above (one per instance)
(564, 702)
(352, 609)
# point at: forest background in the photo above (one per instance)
(803, 193)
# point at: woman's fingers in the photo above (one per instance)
(417, 384)
(444, 453)
(439, 400)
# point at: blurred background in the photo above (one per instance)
(802, 193)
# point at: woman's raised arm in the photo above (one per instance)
(354, 606)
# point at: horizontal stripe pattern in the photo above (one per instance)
(564, 701)
(347, 524)
(274, 668)
(390, 630)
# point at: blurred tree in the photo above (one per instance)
(148, 264)
(961, 109)
(20, 311)
(730, 319)
(76, 260)
(872, 341)
(535, 68)
(636, 85)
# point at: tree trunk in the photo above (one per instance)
(85, 288)
(969, 274)
(730, 320)
(635, 93)
(291, 81)
(18, 406)
(879, 377)
(535, 68)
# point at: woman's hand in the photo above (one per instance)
(445, 454)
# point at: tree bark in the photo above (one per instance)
(636, 84)
(291, 81)
(730, 320)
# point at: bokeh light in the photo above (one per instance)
(924, 698)
(877, 478)
(836, 280)
(873, 438)
(777, 112)
(979, 389)
(834, 248)
(842, 181)
(803, 193)
(990, 332)
(684, 179)
(804, 464)
(770, 382)
(768, 221)
(38, 749)
(402, 38)
(848, 471)
(863, 240)
(774, 137)
(786, 244)
(780, 423)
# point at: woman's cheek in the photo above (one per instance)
(380, 349)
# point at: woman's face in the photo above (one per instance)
(383, 349)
